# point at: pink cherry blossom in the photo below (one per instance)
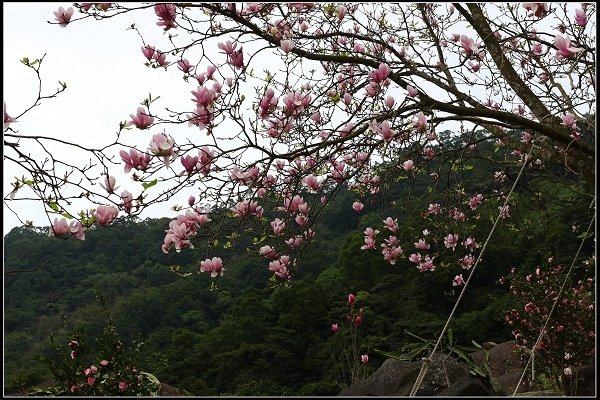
(214, 266)
(141, 120)
(166, 15)
(564, 48)
(458, 280)
(63, 17)
(105, 215)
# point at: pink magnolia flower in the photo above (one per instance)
(537, 9)
(59, 228)
(214, 266)
(351, 299)
(580, 17)
(127, 203)
(451, 241)
(141, 120)
(391, 224)
(312, 182)
(469, 46)
(475, 201)
(389, 101)
(227, 47)
(364, 359)
(278, 226)
(161, 58)
(148, 52)
(412, 92)
(236, 59)
(564, 48)
(191, 201)
(185, 66)
(470, 244)
(163, 145)
(105, 214)
(569, 121)
(358, 206)
(135, 159)
(104, 363)
(422, 244)
(268, 251)
(281, 266)
(335, 328)
(166, 15)
(286, 45)
(189, 163)
(458, 280)
(7, 118)
(123, 386)
(109, 184)
(408, 165)
(91, 380)
(467, 261)
(63, 17)
(74, 388)
(380, 74)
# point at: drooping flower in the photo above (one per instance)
(580, 17)
(127, 203)
(63, 17)
(166, 15)
(148, 52)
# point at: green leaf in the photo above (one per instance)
(450, 336)
(392, 355)
(477, 344)
(53, 205)
(149, 184)
(67, 215)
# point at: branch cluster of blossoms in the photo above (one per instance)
(352, 90)
(568, 343)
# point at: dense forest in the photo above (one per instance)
(248, 335)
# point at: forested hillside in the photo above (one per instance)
(251, 336)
